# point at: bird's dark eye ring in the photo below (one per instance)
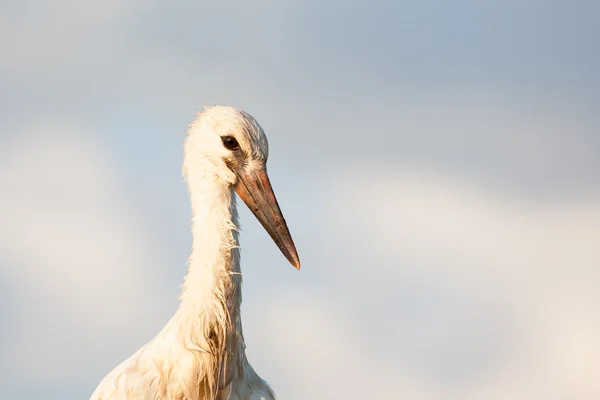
(230, 142)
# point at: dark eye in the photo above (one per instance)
(230, 143)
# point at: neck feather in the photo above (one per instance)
(212, 290)
(208, 318)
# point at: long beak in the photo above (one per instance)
(254, 188)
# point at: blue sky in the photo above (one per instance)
(438, 164)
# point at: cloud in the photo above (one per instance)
(171, 57)
(65, 35)
(437, 288)
(76, 256)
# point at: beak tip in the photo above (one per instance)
(295, 261)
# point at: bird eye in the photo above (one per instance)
(230, 142)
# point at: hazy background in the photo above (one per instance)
(438, 163)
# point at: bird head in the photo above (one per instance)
(233, 147)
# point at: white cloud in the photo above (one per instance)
(489, 296)
(77, 255)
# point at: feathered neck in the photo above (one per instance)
(208, 318)
(212, 283)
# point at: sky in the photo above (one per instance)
(438, 164)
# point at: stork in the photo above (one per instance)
(200, 353)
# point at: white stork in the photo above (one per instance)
(200, 353)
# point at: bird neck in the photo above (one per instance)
(211, 294)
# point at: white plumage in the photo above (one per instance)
(200, 353)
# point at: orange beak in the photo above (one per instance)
(254, 188)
